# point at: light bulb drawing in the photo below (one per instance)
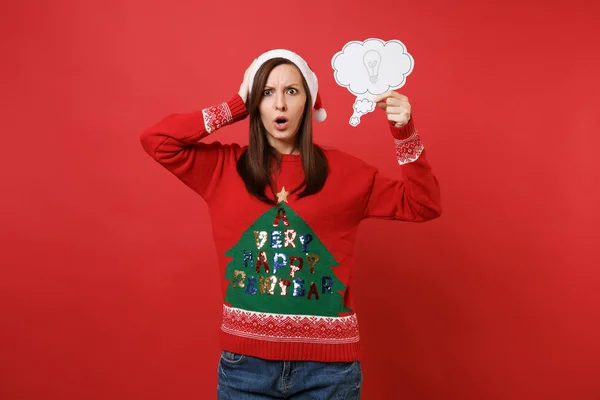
(372, 61)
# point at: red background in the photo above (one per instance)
(109, 286)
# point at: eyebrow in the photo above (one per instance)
(294, 85)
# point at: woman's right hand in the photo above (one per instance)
(245, 83)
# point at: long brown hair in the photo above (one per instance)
(254, 165)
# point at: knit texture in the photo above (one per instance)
(287, 268)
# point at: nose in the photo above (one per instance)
(280, 103)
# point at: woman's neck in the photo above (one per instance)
(285, 148)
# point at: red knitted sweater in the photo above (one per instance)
(287, 268)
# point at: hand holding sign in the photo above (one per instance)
(396, 106)
(371, 68)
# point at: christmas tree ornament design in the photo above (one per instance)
(282, 285)
(282, 195)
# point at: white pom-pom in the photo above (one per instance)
(320, 115)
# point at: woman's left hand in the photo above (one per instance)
(396, 106)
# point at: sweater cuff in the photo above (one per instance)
(404, 132)
(408, 143)
(223, 114)
(238, 108)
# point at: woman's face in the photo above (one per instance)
(282, 106)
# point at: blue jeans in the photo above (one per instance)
(243, 377)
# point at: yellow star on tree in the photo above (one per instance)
(282, 196)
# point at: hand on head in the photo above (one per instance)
(245, 83)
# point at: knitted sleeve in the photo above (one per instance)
(416, 196)
(176, 143)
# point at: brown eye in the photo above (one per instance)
(292, 91)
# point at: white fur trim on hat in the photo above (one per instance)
(320, 115)
(311, 78)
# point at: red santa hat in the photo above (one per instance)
(319, 113)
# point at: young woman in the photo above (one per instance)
(285, 213)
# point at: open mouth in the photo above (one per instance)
(281, 123)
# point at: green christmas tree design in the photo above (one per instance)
(280, 266)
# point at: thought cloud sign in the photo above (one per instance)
(371, 68)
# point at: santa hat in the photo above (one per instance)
(319, 113)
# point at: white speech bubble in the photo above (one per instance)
(371, 68)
